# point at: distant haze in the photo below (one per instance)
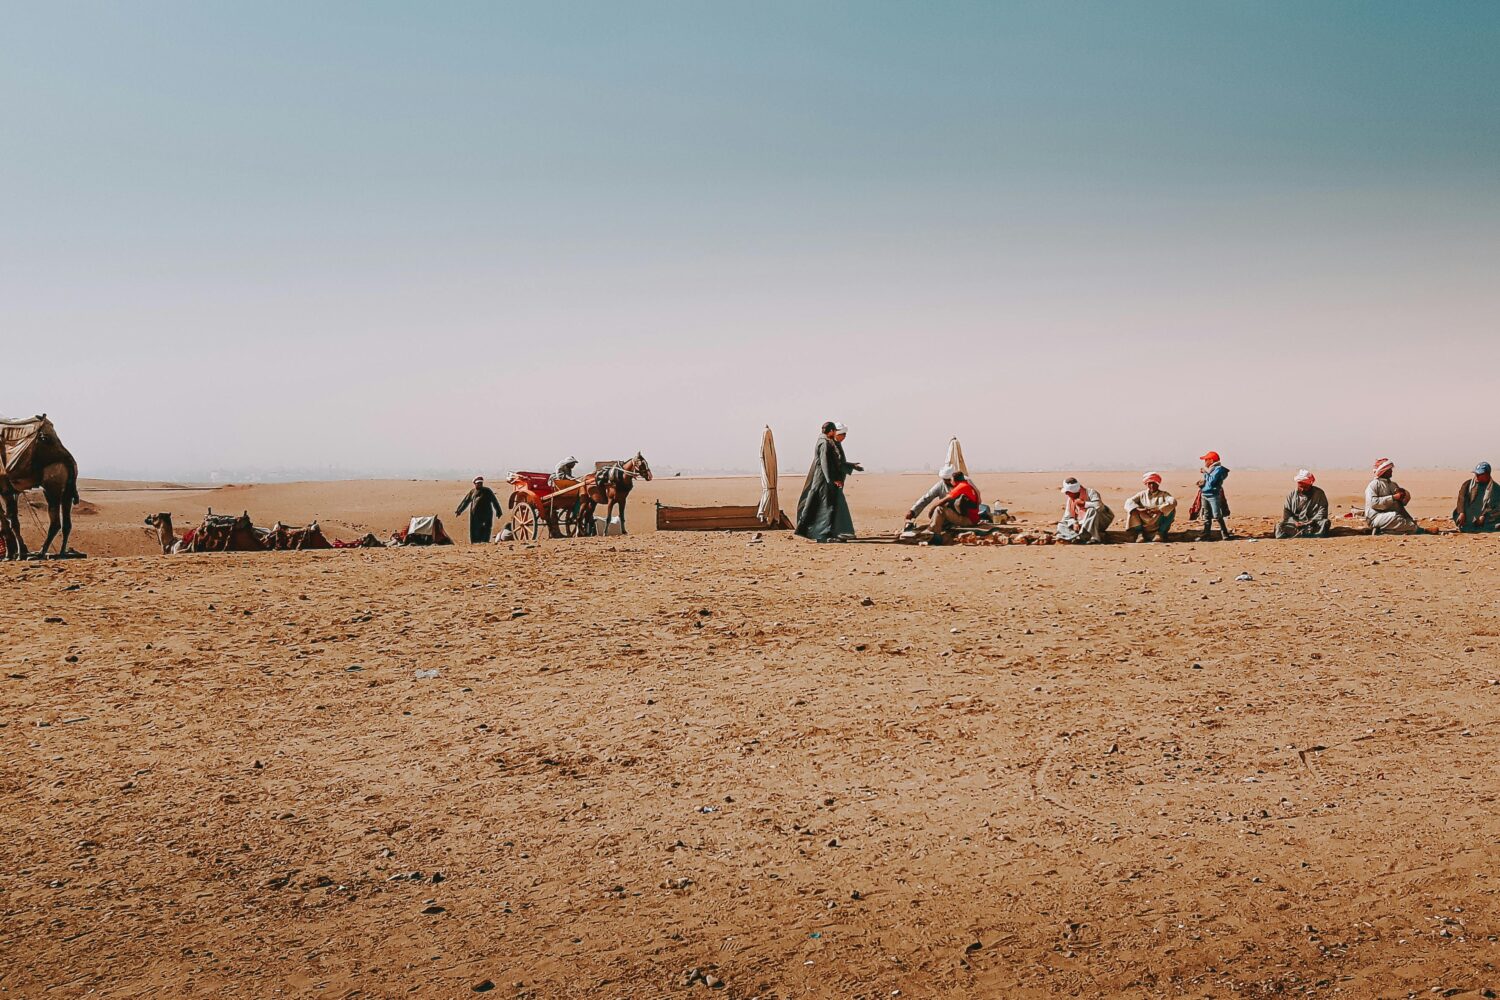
(389, 238)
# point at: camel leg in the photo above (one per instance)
(7, 540)
(67, 524)
(54, 521)
(13, 516)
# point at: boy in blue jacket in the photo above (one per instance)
(1211, 497)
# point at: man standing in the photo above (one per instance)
(1478, 506)
(1085, 517)
(1385, 504)
(959, 508)
(822, 512)
(1211, 499)
(1305, 512)
(1149, 514)
(940, 489)
(481, 504)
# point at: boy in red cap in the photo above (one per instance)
(1211, 499)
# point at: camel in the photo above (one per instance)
(224, 533)
(32, 455)
(284, 537)
(161, 526)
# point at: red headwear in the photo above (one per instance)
(1383, 465)
(1152, 477)
(1209, 456)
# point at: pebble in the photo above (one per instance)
(867, 602)
(431, 910)
(483, 987)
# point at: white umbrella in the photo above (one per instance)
(769, 511)
(956, 457)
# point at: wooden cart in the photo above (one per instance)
(535, 500)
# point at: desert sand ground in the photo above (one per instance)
(862, 770)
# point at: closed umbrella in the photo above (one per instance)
(769, 511)
(956, 457)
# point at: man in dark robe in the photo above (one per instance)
(1305, 512)
(1478, 504)
(482, 506)
(822, 512)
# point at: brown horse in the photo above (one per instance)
(611, 486)
(31, 455)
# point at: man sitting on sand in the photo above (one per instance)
(1085, 517)
(1149, 514)
(1304, 514)
(958, 509)
(1385, 504)
(940, 489)
(1478, 506)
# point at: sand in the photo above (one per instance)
(800, 770)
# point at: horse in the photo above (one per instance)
(611, 486)
(41, 461)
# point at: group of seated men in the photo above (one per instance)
(1150, 513)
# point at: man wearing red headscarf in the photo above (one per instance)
(1150, 512)
(1385, 503)
(1305, 512)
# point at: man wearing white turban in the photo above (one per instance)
(1085, 517)
(940, 489)
(1305, 512)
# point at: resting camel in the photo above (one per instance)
(611, 486)
(31, 455)
(161, 525)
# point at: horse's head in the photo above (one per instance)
(640, 466)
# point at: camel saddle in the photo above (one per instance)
(18, 446)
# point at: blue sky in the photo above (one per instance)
(399, 237)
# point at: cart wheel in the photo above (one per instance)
(524, 522)
(567, 523)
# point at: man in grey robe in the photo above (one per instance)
(1085, 517)
(1385, 504)
(822, 512)
(481, 503)
(940, 489)
(1305, 512)
(1478, 504)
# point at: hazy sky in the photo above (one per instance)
(398, 237)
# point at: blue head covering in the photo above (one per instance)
(1482, 469)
